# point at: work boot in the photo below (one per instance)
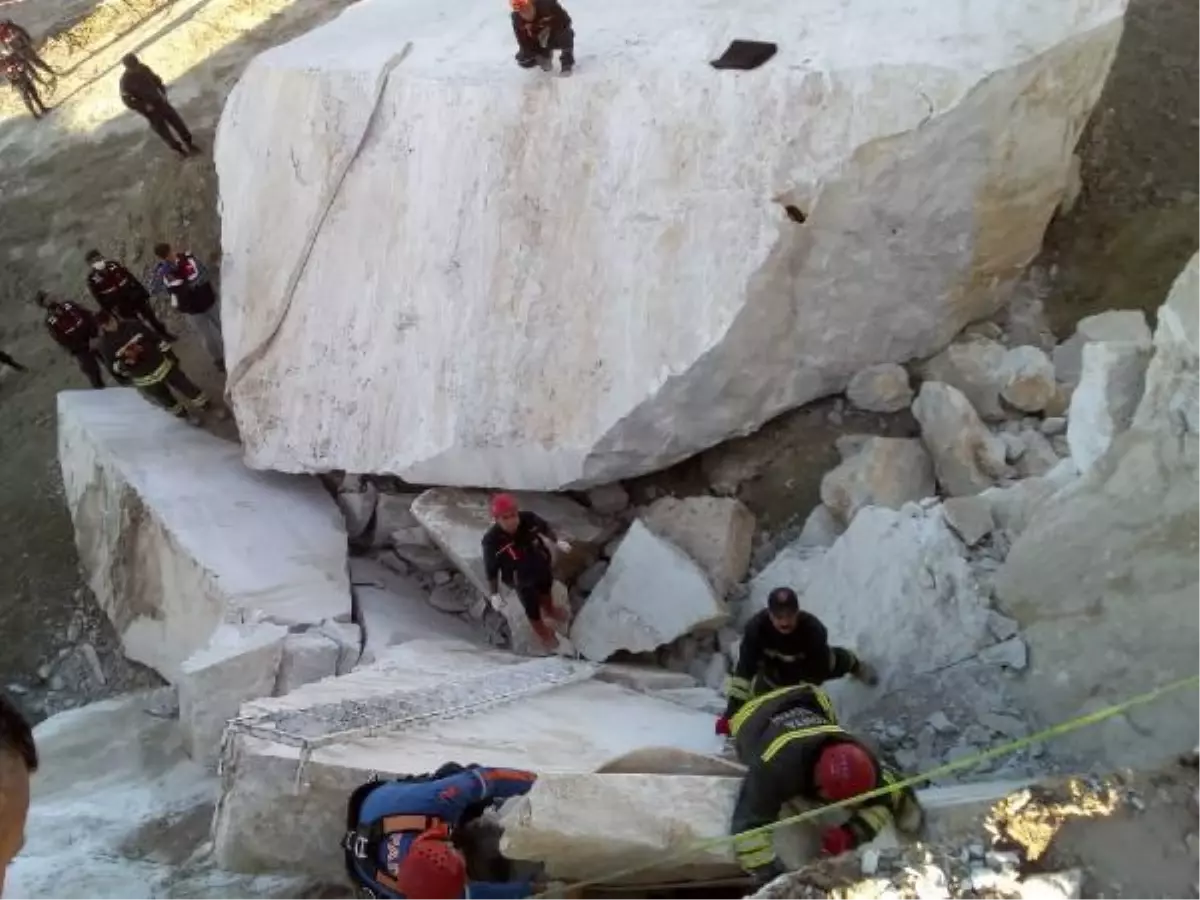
(545, 634)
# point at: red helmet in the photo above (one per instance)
(432, 869)
(504, 505)
(843, 771)
(519, 5)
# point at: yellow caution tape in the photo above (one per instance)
(1054, 731)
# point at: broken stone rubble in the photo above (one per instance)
(1027, 379)
(967, 458)
(716, 532)
(884, 472)
(881, 388)
(1125, 326)
(1110, 386)
(973, 368)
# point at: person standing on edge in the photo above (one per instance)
(18, 760)
(73, 327)
(144, 92)
(145, 361)
(117, 291)
(16, 73)
(541, 27)
(516, 550)
(783, 645)
(193, 295)
(16, 40)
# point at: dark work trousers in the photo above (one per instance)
(34, 61)
(162, 118)
(564, 41)
(535, 597)
(28, 90)
(89, 365)
(142, 311)
(11, 363)
(160, 392)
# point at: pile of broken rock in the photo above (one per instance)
(961, 562)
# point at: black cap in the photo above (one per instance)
(783, 600)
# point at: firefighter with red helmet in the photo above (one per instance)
(541, 27)
(73, 327)
(793, 748)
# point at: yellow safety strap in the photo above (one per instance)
(1062, 728)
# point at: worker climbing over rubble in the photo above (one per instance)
(794, 749)
(541, 27)
(17, 73)
(117, 291)
(144, 92)
(132, 353)
(191, 292)
(784, 645)
(400, 834)
(516, 550)
(73, 327)
(16, 41)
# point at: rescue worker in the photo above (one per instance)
(783, 645)
(133, 353)
(16, 41)
(541, 27)
(399, 838)
(793, 748)
(16, 73)
(73, 327)
(192, 294)
(144, 92)
(117, 291)
(516, 549)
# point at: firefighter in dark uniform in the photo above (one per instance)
(132, 352)
(17, 41)
(144, 92)
(17, 73)
(783, 645)
(516, 550)
(541, 27)
(73, 327)
(117, 291)
(793, 748)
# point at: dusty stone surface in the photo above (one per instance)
(717, 532)
(881, 388)
(973, 367)
(967, 458)
(139, 817)
(895, 588)
(507, 421)
(884, 472)
(1110, 387)
(1136, 511)
(456, 521)
(969, 517)
(1126, 326)
(651, 594)
(608, 499)
(358, 508)
(307, 656)
(175, 535)
(1027, 379)
(240, 663)
(1038, 456)
(545, 722)
(1013, 506)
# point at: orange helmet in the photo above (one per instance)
(844, 771)
(432, 869)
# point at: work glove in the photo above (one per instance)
(836, 841)
(723, 726)
(563, 546)
(865, 672)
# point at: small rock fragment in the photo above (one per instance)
(939, 722)
(16, 688)
(969, 517)
(1027, 379)
(1000, 860)
(449, 598)
(1064, 885)
(1001, 626)
(870, 861)
(1011, 654)
(882, 388)
(1003, 724)
(1054, 425)
(608, 499)
(43, 671)
(93, 661)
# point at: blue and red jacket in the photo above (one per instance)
(393, 814)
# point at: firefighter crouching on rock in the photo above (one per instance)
(399, 838)
(131, 352)
(541, 27)
(793, 748)
(783, 645)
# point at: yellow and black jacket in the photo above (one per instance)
(779, 737)
(769, 659)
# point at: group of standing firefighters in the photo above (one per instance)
(402, 836)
